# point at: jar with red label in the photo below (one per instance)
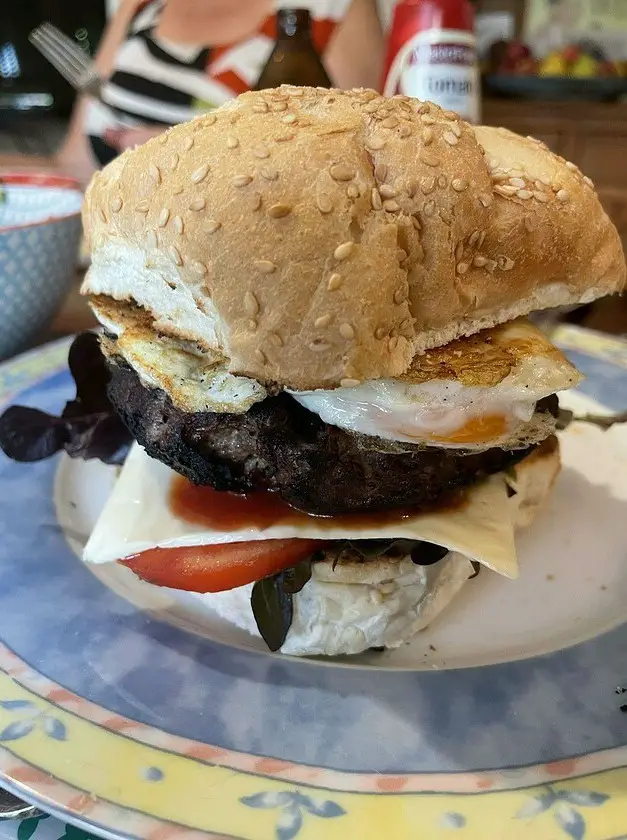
(432, 55)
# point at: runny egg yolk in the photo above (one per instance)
(477, 430)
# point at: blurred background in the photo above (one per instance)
(554, 69)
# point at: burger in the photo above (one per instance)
(314, 307)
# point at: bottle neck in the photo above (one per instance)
(293, 24)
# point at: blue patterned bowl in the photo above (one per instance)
(40, 230)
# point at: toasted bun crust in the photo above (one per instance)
(315, 236)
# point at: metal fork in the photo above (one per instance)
(68, 58)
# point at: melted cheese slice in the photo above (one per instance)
(137, 517)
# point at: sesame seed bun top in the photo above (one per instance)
(318, 237)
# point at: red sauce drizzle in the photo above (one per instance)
(228, 511)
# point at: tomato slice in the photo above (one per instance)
(214, 568)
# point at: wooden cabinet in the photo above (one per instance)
(592, 135)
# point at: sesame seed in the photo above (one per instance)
(390, 122)
(198, 204)
(335, 281)
(391, 206)
(459, 184)
(175, 162)
(323, 321)
(176, 255)
(352, 191)
(142, 207)
(462, 267)
(200, 174)
(530, 223)
(380, 333)
(242, 180)
(456, 129)
(155, 173)
(151, 239)
(427, 136)
(375, 143)
(251, 304)
(427, 119)
(386, 191)
(450, 115)
(209, 119)
(524, 194)
(255, 202)
(450, 138)
(479, 261)
(269, 173)
(163, 138)
(212, 226)
(188, 143)
(178, 191)
(343, 251)
(370, 108)
(260, 108)
(179, 227)
(570, 165)
(260, 356)
(473, 238)
(319, 346)
(276, 339)
(284, 138)
(412, 188)
(517, 182)
(340, 172)
(261, 152)
(541, 197)
(505, 263)
(485, 200)
(562, 195)
(279, 106)
(102, 214)
(278, 211)
(459, 251)
(393, 342)
(490, 265)
(116, 204)
(429, 208)
(198, 267)
(429, 159)
(265, 266)
(400, 296)
(427, 185)
(442, 181)
(350, 383)
(506, 192)
(588, 181)
(380, 172)
(164, 215)
(404, 131)
(347, 332)
(324, 203)
(289, 119)
(232, 142)
(416, 222)
(252, 325)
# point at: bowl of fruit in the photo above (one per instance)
(578, 71)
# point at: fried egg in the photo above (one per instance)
(474, 393)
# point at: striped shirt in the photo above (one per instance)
(157, 81)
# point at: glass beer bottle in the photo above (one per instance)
(294, 59)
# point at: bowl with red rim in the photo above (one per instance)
(40, 231)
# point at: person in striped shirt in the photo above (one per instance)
(165, 61)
